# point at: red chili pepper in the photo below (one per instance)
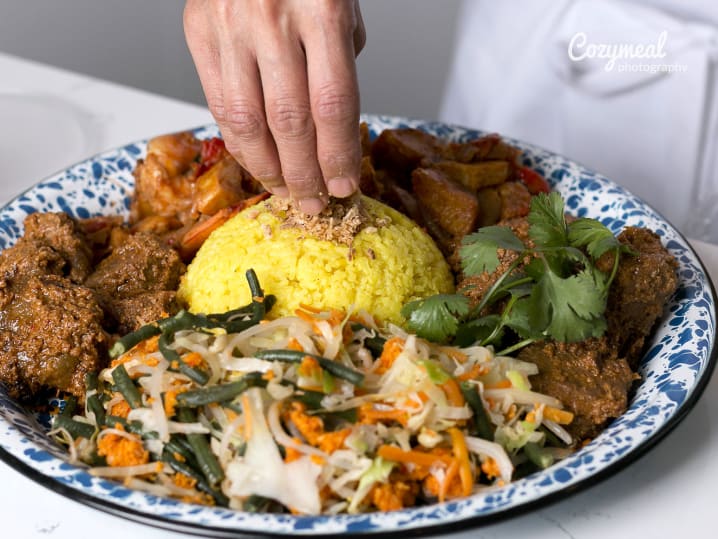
(212, 151)
(533, 181)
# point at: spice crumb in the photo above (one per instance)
(339, 222)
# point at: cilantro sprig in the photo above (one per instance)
(558, 294)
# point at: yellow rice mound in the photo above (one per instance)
(391, 261)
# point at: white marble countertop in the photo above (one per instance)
(52, 118)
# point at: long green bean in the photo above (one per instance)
(222, 392)
(482, 425)
(77, 429)
(333, 367)
(375, 344)
(193, 373)
(538, 455)
(186, 469)
(94, 404)
(130, 340)
(126, 386)
(206, 460)
(70, 406)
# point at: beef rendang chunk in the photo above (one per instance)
(50, 324)
(57, 311)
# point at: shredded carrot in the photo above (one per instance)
(149, 346)
(451, 474)
(184, 481)
(310, 427)
(201, 498)
(316, 459)
(309, 308)
(454, 353)
(335, 317)
(501, 384)
(269, 375)
(120, 409)
(472, 374)
(122, 451)
(309, 368)
(420, 458)
(512, 412)
(562, 417)
(194, 359)
(307, 318)
(462, 455)
(392, 348)
(490, 468)
(291, 454)
(170, 402)
(294, 344)
(151, 361)
(491, 403)
(453, 392)
(140, 351)
(393, 495)
(246, 407)
(369, 415)
(331, 441)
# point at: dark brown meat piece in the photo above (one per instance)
(52, 245)
(29, 258)
(136, 311)
(400, 151)
(475, 176)
(587, 377)
(452, 206)
(515, 200)
(489, 206)
(143, 265)
(50, 336)
(644, 283)
(487, 148)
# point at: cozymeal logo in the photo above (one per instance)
(624, 57)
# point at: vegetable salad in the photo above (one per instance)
(318, 413)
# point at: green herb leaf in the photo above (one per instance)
(436, 318)
(519, 319)
(569, 309)
(593, 236)
(548, 222)
(478, 251)
(477, 330)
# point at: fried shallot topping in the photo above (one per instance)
(339, 222)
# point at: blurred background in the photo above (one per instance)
(141, 44)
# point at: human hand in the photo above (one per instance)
(280, 79)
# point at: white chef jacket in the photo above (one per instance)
(541, 71)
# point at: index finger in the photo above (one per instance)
(334, 97)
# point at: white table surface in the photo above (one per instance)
(669, 492)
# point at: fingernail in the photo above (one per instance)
(280, 191)
(341, 187)
(311, 206)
